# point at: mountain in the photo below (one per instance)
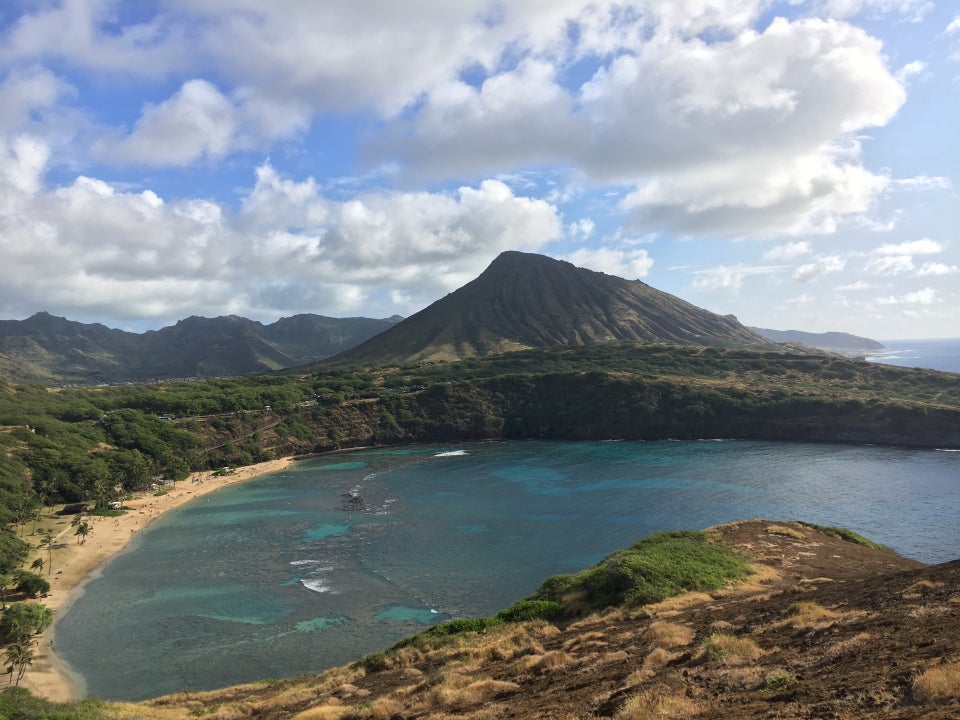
(838, 342)
(524, 301)
(49, 349)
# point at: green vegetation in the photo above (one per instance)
(651, 570)
(848, 535)
(18, 704)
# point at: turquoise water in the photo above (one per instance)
(343, 555)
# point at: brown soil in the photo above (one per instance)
(825, 629)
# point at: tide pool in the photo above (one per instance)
(341, 556)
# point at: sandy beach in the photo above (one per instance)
(74, 563)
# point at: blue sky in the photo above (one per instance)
(792, 162)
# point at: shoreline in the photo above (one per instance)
(75, 564)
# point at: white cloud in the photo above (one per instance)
(197, 121)
(911, 70)
(923, 182)
(819, 267)
(954, 25)
(925, 246)
(290, 249)
(581, 229)
(911, 10)
(925, 296)
(890, 265)
(727, 277)
(788, 251)
(630, 264)
(937, 268)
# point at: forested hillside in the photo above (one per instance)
(93, 444)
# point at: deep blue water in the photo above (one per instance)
(343, 555)
(940, 354)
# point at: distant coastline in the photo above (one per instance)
(933, 354)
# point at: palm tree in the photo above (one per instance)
(37, 565)
(83, 529)
(47, 542)
(20, 656)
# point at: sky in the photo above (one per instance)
(793, 162)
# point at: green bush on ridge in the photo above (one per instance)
(649, 571)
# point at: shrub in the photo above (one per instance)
(464, 625)
(778, 680)
(530, 610)
(649, 571)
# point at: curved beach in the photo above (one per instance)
(76, 563)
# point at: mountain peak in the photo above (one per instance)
(524, 300)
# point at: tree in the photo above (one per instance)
(21, 620)
(31, 584)
(47, 542)
(13, 551)
(83, 529)
(37, 565)
(20, 656)
(5, 582)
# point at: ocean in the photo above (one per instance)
(940, 354)
(343, 555)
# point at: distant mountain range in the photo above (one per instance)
(49, 349)
(526, 301)
(838, 342)
(521, 301)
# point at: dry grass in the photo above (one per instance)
(742, 678)
(938, 684)
(324, 712)
(652, 705)
(785, 531)
(548, 661)
(382, 708)
(673, 606)
(731, 650)
(811, 616)
(586, 642)
(657, 659)
(475, 693)
(667, 635)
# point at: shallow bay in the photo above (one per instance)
(342, 555)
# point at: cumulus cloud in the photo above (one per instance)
(925, 246)
(937, 268)
(630, 264)
(289, 248)
(788, 251)
(728, 277)
(819, 267)
(890, 265)
(747, 136)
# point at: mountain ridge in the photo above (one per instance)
(52, 349)
(838, 342)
